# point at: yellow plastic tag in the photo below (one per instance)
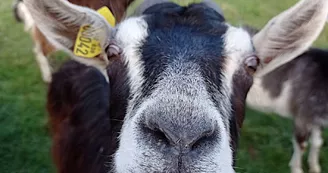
(85, 46)
(108, 15)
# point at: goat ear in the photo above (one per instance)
(290, 33)
(61, 21)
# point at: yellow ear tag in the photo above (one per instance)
(85, 45)
(108, 15)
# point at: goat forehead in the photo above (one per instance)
(150, 49)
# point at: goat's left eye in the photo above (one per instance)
(251, 63)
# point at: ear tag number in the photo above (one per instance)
(85, 45)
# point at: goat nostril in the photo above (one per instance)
(160, 135)
(182, 139)
(201, 139)
(156, 133)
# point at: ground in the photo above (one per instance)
(24, 139)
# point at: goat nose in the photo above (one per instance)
(183, 136)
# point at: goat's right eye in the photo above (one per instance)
(251, 63)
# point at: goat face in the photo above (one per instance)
(189, 73)
(182, 65)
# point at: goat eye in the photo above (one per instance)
(251, 63)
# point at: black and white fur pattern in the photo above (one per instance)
(172, 85)
(188, 74)
(297, 90)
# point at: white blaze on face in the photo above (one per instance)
(130, 35)
(238, 45)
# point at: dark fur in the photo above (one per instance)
(86, 116)
(241, 85)
(189, 23)
(309, 75)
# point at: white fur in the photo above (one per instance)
(296, 161)
(237, 47)
(316, 142)
(166, 92)
(259, 99)
(130, 35)
(169, 90)
(25, 15)
(43, 63)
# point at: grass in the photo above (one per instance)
(24, 140)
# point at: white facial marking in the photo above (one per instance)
(238, 46)
(130, 35)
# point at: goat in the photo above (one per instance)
(167, 91)
(43, 48)
(297, 90)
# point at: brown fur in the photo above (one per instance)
(241, 82)
(37, 36)
(84, 120)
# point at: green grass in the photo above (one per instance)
(24, 140)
